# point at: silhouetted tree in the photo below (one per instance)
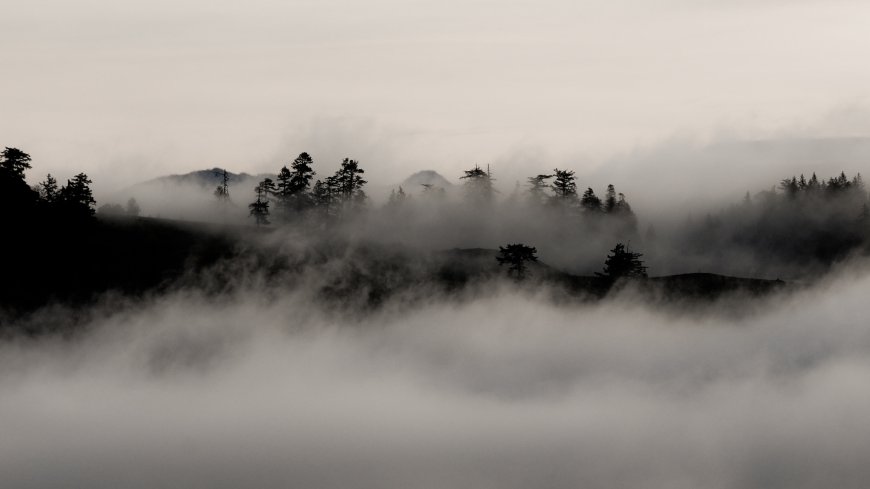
(478, 185)
(222, 192)
(623, 263)
(259, 209)
(610, 199)
(133, 207)
(538, 188)
(397, 199)
(76, 196)
(516, 256)
(48, 189)
(590, 202)
(284, 191)
(349, 184)
(327, 196)
(294, 186)
(564, 187)
(14, 161)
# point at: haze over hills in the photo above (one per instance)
(425, 177)
(190, 196)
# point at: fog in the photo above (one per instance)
(503, 388)
(127, 92)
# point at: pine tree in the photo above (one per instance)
(14, 162)
(397, 199)
(564, 186)
(302, 174)
(349, 184)
(222, 192)
(590, 202)
(132, 208)
(516, 256)
(610, 199)
(623, 263)
(478, 185)
(537, 188)
(48, 189)
(76, 196)
(259, 209)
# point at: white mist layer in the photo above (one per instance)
(505, 391)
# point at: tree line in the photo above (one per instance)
(20, 202)
(292, 196)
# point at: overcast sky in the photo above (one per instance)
(132, 90)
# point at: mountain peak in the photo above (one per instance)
(426, 177)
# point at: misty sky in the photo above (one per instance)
(131, 90)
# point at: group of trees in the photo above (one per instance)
(22, 202)
(620, 263)
(802, 225)
(564, 193)
(291, 196)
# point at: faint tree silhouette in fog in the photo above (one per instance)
(623, 263)
(516, 256)
(478, 185)
(609, 199)
(222, 192)
(132, 208)
(260, 207)
(397, 199)
(110, 209)
(590, 202)
(538, 188)
(433, 192)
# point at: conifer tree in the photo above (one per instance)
(48, 189)
(516, 256)
(478, 185)
(610, 199)
(76, 196)
(564, 186)
(537, 188)
(590, 202)
(259, 209)
(623, 263)
(14, 161)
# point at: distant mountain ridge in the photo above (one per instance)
(205, 178)
(425, 177)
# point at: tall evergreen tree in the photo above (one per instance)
(623, 263)
(516, 256)
(590, 202)
(538, 186)
(349, 183)
(610, 199)
(259, 209)
(222, 192)
(48, 189)
(478, 185)
(564, 186)
(76, 196)
(14, 161)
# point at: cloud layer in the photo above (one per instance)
(507, 390)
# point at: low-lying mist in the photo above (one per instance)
(500, 389)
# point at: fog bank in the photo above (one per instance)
(505, 391)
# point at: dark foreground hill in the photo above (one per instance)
(75, 265)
